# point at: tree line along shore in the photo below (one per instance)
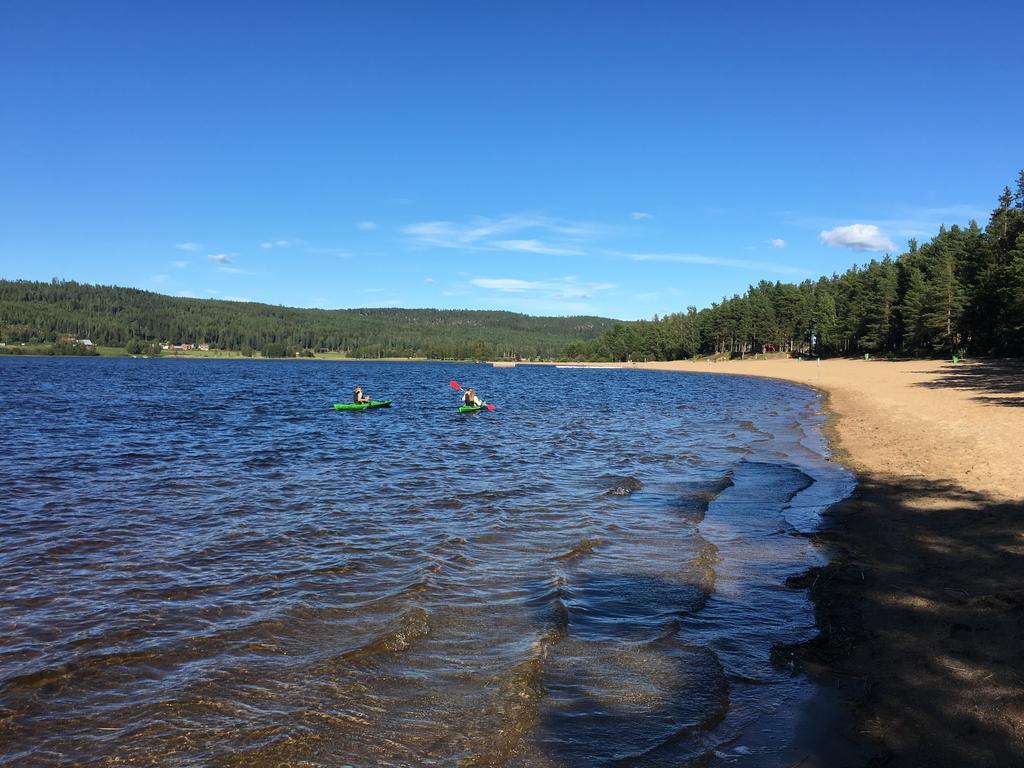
(961, 293)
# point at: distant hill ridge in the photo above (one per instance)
(115, 316)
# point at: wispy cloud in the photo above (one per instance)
(535, 246)
(641, 216)
(777, 242)
(219, 258)
(234, 270)
(714, 261)
(544, 234)
(428, 280)
(190, 246)
(275, 244)
(241, 299)
(857, 237)
(179, 263)
(341, 253)
(559, 288)
(158, 279)
(366, 226)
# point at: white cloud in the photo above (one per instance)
(179, 263)
(189, 246)
(158, 278)
(857, 237)
(275, 244)
(559, 288)
(366, 226)
(777, 242)
(511, 285)
(641, 216)
(428, 280)
(900, 221)
(234, 270)
(696, 258)
(535, 246)
(242, 299)
(219, 258)
(211, 291)
(266, 245)
(561, 236)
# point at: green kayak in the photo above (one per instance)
(471, 408)
(362, 406)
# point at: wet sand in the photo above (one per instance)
(922, 606)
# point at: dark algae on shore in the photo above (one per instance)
(204, 564)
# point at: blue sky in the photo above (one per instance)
(620, 159)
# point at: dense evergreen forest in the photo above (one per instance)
(126, 317)
(962, 293)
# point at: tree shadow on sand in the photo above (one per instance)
(922, 616)
(1000, 382)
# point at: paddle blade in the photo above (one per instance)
(454, 385)
(490, 407)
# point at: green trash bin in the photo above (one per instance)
(867, 356)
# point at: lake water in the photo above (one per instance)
(203, 563)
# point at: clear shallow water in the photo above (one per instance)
(205, 564)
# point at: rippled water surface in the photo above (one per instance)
(204, 564)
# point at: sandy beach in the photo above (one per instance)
(922, 606)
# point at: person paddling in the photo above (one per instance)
(358, 396)
(471, 399)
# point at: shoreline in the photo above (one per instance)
(921, 605)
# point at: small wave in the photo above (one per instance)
(412, 625)
(444, 504)
(694, 503)
(514, 711)
(579, 549)
(550, 605)
(625, 704)
(623, 486)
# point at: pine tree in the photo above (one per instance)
(912, 310)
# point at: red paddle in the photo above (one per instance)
(455, 385)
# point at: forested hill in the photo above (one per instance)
(119, 317)
(961, 293)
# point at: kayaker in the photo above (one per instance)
(358, 396)
(471, 399)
